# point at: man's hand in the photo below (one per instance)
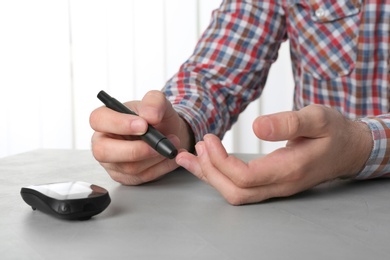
(125, 157)
(322, 145)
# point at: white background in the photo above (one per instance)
(55, 55)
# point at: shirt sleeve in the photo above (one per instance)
(378, 164)
(229, 66)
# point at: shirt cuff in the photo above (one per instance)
(378, 162)
(193, 119)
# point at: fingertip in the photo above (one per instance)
(212, 141)
(95, 116)
(199, 148)
(183, 154)
(278, 127)
(263, 127)
(153, 106)
(210, 138)
(139, 126)
(189, 162)
(182, 161)
(214, 146)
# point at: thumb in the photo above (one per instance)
(154, 107)
(311, 122)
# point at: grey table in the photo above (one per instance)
(180, 217)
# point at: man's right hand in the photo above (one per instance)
(126, 158)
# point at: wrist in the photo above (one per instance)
(363, 145)
(187, 137)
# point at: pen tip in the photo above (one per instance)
(102, 95)
(173, 154)
(166, 148)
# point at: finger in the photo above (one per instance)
(106, 120)
(208, 172)
(120, 172)
(231, 166)
(154, 107)
(117, 165)
(203, 168)
(282, 165)
(108, 149)
(239, 196)
(234, 194)
(309, 122)
(190, 162)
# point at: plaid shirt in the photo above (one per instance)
(340, 57)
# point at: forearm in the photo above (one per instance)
(229, 67)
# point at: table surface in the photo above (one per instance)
(180, 217)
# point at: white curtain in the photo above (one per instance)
(56, 55)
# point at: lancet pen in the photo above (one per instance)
(152, 136)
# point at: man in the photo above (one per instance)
(340, 126)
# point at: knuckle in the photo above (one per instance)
(99, 151)
(293, 123)
(236, 197)
(117, 177)
(155, 93)
(296, 176)
(297, 172)
(131, 170)
(322, 114)
(132, 181)
(234, 201)
(133, 154)
(243, 181)
(124, 178)
(154, 96)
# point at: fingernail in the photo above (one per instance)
(268, 127)
(183, 162)
(199, 147)
(138, 126)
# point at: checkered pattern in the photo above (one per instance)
(340, 57)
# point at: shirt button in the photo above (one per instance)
(320, 12)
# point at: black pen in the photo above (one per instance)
(153, 137)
